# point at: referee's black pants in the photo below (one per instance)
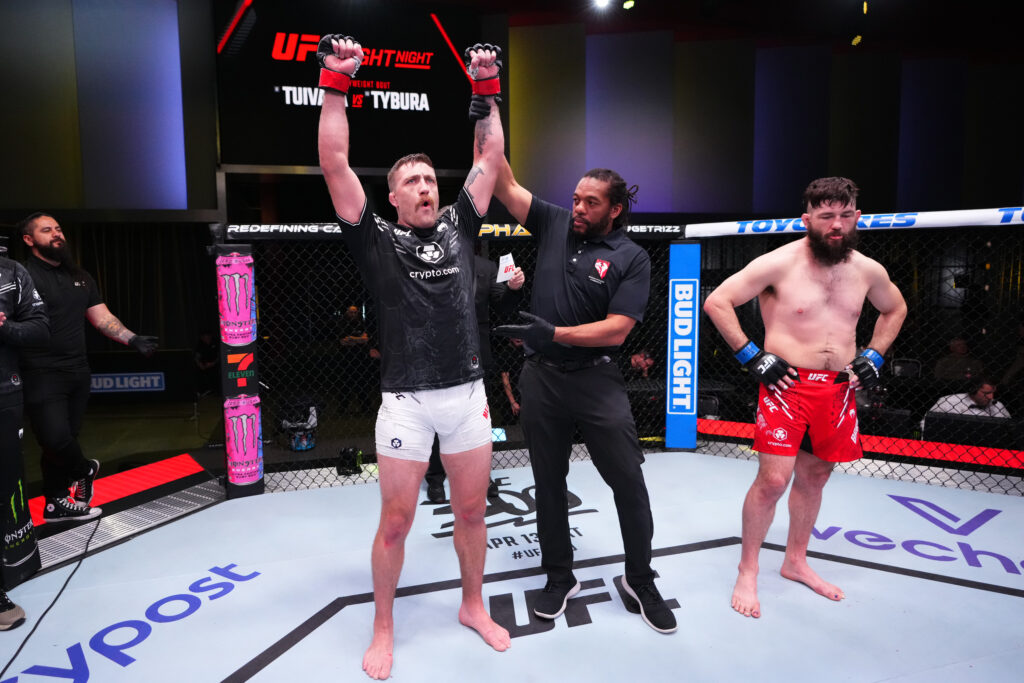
(55, 402)
(594, 399)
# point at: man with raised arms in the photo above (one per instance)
(419, 271)
(811, 293)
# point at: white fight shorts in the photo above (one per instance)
(407, 421)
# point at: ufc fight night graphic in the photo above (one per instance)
(410, 80)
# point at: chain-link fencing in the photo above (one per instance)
(963, 288)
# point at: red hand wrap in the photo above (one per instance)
(487, 86)
(335, 80)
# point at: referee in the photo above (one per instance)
(590, 288)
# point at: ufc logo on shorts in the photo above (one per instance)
(772, 408)
(817, 377)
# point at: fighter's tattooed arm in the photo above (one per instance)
(488, 155)
(473, 173)
(483, 131)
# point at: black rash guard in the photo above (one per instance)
(26, 321)
(422, 282)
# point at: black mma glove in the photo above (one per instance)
(479, 107)
(866, 366)
(767, 368)
(535, 333)
(329, 78)
(144, 345)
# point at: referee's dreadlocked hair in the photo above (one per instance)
(618, 193)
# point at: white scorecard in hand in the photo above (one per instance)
(506, 267)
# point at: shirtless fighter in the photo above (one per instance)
(811, 293)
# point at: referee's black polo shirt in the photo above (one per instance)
(579, 281)
(67, 295)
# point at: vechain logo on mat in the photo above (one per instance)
(947, 546)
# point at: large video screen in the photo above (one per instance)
(410, 94)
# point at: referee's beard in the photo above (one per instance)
(592, 229)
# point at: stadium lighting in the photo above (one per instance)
(628, 4)
(601, 4)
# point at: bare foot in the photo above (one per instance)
(378, 658)
(805, 575)
(480, 621)
(744, 595)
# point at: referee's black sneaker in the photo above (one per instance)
(83, 487)
(435, 492)
(550, 602)
(652, 607)
(67, 510)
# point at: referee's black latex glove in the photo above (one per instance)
(535, 333)
(769, 369)
(144, 345)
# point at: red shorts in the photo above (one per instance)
(822, 405)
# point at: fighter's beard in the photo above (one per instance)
(828, 252)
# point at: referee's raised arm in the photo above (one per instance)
(339, 58)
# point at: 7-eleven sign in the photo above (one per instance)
(242, 369)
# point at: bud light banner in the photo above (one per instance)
(236, 298)
(683, 333)
(243, 429)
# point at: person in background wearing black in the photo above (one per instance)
(503, 297)
(207, 361)
(23, 321)
(958, 364)
(590, 288)
(511, 365)
(57, 377)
